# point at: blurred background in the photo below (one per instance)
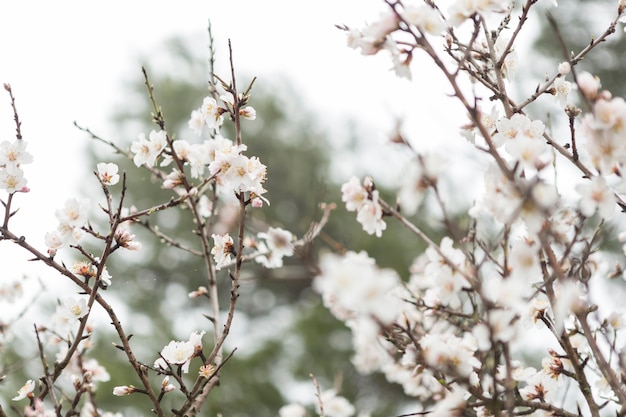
(324, 113)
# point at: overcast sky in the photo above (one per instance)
(67, 61)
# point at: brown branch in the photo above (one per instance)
(16, 118)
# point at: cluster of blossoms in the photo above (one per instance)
(12, 156)
(81, 374)
(364, 199)
(270, 248)
(456, 333)
(526, 265)
(428, 20)
(178, 354)
(72, 218)
(226, 163)
(89, 270)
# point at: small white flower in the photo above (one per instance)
(353, 194)
(12, 179)
(211, 112)
(73, 309)
(14, 154)
(176, 353)
(147, 151)
(108, 173)
(335, 405)
(196, 122)
(292, 410)
(222, 250)
(596, 195)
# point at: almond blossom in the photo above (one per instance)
(14, 154)
(277, 245)
(12, 179)
(148, 150)
(176, 353)
(595, 194)
(72, 310)
(222, 250)
(107, 172)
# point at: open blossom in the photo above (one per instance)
(176, 353)
(356, 283)
(72, 310)
(518, 128)
(353, 194)
(108, 173)
(222, 250)
(74, 213)
(278, 240)
(461, 10)
(181, 148)
(12, 179)
(595, 194)
(98, 372)
(425, 18)
(562, 90)
(539, 387)
(588, 84)
(196, 122)
(235, 171)
(400, 59)
(26, 389)
(370, 215)
(195, 339)
(14, 154)
(605, 129)
(363, 199)
(446, 351)
(211, 113)
(335, 405)
(147, 151)
(292, 410)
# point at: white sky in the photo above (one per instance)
(65, 61)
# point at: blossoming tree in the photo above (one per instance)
(520, 272)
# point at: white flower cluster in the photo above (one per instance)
(363, 198)
(270, 248)
(69, 312)
(233, 171)
(277, 244)
(426, 19)
(12, 156)
(72, 218)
